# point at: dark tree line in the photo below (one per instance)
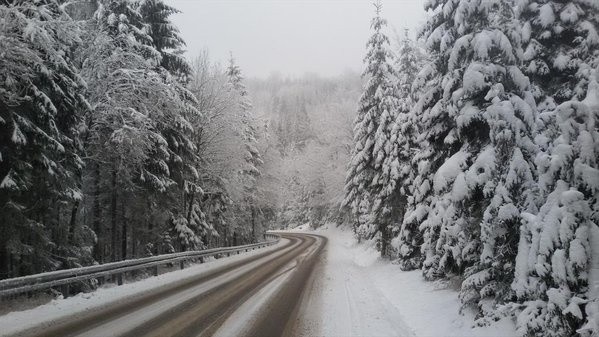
(103, 139)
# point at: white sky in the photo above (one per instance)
(325, 37)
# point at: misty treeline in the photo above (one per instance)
(307, 145)
(114, 146)
(475, 158)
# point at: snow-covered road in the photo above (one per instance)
(343, 302)
(250, 294)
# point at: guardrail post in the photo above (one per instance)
(182, 264)
(119, 279)
(155, 270)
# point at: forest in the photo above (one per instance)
(475, 158)
(116, 146)
(470, 153)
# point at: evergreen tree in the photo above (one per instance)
(372, 139)
(139, 114)
(398, 167)
(41, 108)
(437, 142)
(178, 166)
(166, 38)
(561, 48)
(250, 172)
(174, 158)
(561, 40)
(122, 20)
(479, 125)
(554, 251)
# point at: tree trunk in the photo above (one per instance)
(134, 242)
(13, 272)
(253, 224)
(74, 210)
(124, 240)
(4, 261)
(6, 145)
(98, 252)
(114, 226)
(191, 199)
(149, 235)
(57, 228)
(384, 239)
(73, 222)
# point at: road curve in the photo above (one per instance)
(257, 296)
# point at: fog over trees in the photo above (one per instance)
(470, 153)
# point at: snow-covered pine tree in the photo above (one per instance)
(174, 158)
(41, 107)
(436, 141)
(216, 215)
(561, 50)
(554, 252)
(250, 172)
(175, 125)
(561, 42)
(134, 101)
(165, 36)
(479, 124)
(398, 165)
(372, 139)
(123, 21)
(510, 191)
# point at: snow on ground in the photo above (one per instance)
(361, 295)
(60, 308)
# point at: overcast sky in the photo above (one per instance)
(325, 37)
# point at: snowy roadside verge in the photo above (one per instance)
(363, 295)
(17, 321)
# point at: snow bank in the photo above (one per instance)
(364, 295)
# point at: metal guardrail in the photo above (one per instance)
(115, 270)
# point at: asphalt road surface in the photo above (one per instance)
(257, 296)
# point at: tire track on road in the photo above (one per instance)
(203, 315)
